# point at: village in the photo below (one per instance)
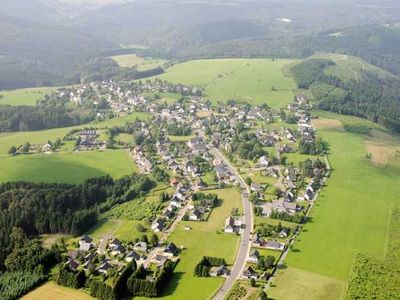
(198, 147)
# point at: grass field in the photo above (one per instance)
(245, 79)
(52, 291)
(202, 240)
(351, 216)
(142, 64)
(24, 96)
(66, 167)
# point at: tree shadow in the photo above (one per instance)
(173, 283)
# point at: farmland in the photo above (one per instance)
(255, 80)
(51, 290)
(23, 96)
(352, 216)
(66, 167)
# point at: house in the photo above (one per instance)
(176, 201)
(132, 255)
(170, 250)
(255, 187)
(219, 271)
(223, 174)
(257, 240)
(160, 260)
(104, 267)
(263, 161)
(72, 264)
(233, 225)
(196, 215)
(250, 273)
(174, 182)
(114, 243)
(254, 256)
(157, 225)
(140, 246)
(117, 250)
(274, 245)
(72, 254)
(85, 244)
(283, 233)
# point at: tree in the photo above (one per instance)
(140, 227)
(12, 151)
(154, 240)
(252, 282)
(262, 295)
(248, 181)
(25, 148)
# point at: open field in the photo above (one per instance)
(351, 216)
(349, 67)
(301, 285)
(245, 79)
(202, 240)
(142, 64)
(66, 167)
(24, 96)
(51, 291)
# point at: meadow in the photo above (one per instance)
(142, 64)
(51, 290)
(351, 216)
(27, 96)
(66, 167)
(254, 80)
(203, 239)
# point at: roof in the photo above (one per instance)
(171, 248)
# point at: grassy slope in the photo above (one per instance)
(247, 79)
(51, 290)
(352, 215)
(202, 240)
(66, 167)
(24, 96)
(142, 64)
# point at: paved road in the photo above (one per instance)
(244, 247)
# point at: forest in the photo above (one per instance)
(372, 97)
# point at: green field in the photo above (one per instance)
(244, 79)
(142, 64)
(202, 240)
(51, 290)
(24, 96)
(351, 216)
(66, 167)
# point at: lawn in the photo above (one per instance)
(51, 290)
(142, 64)
(24, 96)
(124, 230)
(202, 240)
(352, 214)
(66, 167)
(255, 80)
(175, 138)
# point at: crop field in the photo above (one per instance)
(66, 167)
(255, 80)
(51, 290)
(24, 96)
(351, 216)
(142, 64)
(203, 239)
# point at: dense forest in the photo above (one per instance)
(372, 97)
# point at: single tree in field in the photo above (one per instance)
(262, 295)
(12, 151)
(248, 181)
(252, 282)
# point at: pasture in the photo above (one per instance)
(50, 290)
(66, 167)
(254, 80)
(24, 96)
(142, 64)
(351, 216)
(203, 239)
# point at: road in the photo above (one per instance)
(245, 244)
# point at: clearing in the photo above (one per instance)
(142, 64)
(255, 80)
